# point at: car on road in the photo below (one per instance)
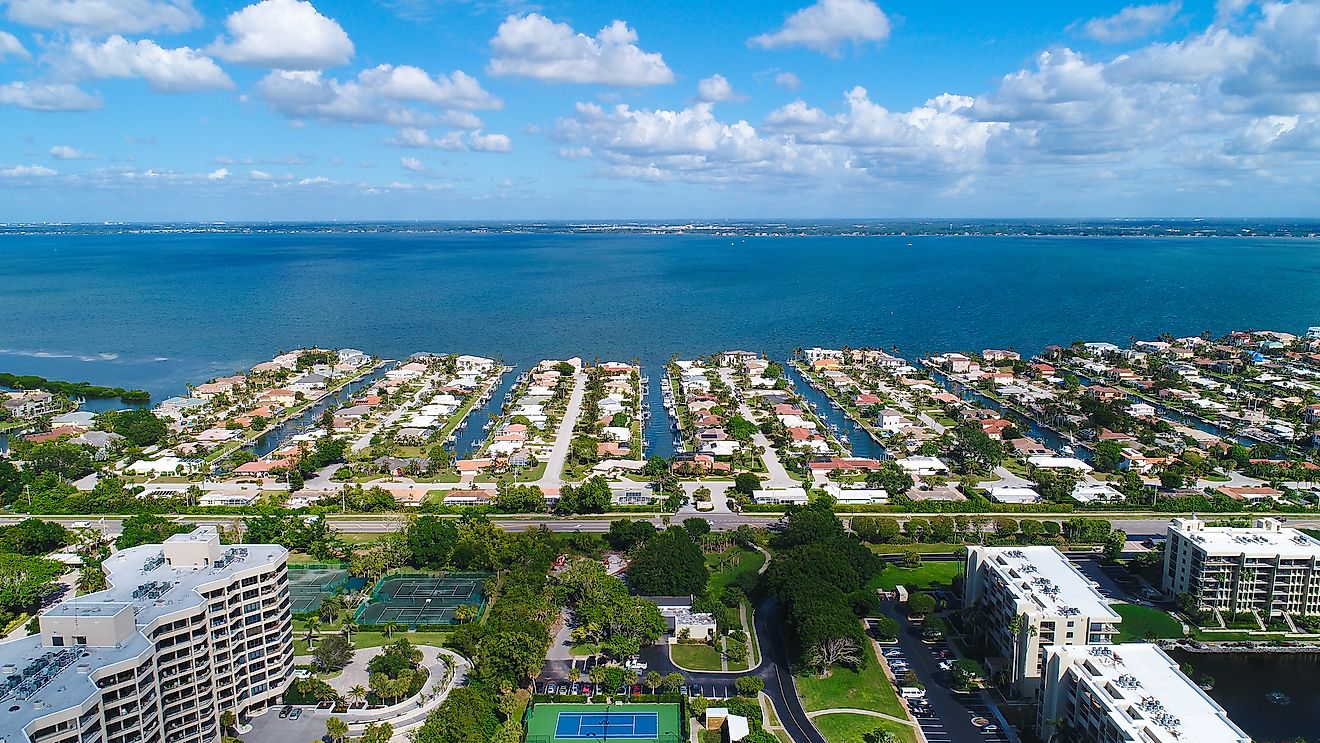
(284, 711)
(295, 714)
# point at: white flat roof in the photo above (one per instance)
(1252, 541)
(1044, 577)
(1148, 697)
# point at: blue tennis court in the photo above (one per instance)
(606, 725)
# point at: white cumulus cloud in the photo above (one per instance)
(65, 152)
(379, 95)
(26, 171)
(10, 46)
(181, 70)
(48, 97)
(219, 174)
(829, 25)
(411, 163)
(535, 46)
(285, 35)
(1132, 22)
(456, 141)
(715, 89)
(106, 16)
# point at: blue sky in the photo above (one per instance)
(446, 109)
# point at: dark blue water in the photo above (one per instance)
(1243, 681)
(160, 310)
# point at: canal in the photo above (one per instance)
(859, 440)
(275, 437)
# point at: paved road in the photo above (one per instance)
(778, 475)
(554, 468)
(1136, 528)
(774, 670)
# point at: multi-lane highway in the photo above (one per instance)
(1137, 527)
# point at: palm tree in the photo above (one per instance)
(390, 628)
(357, 694)
(228, 720)
(630, 677)
(653, 681)
(574, 674)
(349, 628)
(597, 675)
(336, 728)
(313, 625)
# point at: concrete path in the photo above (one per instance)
(867, 712)
(554, 468)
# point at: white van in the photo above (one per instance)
(912, 692)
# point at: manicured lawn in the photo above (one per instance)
(869, 689)
(696, 657)
(1143, 623)
(890, 549)
(849, 728)
(929, 575)
(749, 561)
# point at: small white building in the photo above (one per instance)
(780, 497)
(922, 465)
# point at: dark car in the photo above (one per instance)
(284, 711)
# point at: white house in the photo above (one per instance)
(1014, 494)
(922, 465)
(780, 497)
(856, 496)
(1059, 463)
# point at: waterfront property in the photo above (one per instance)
(1122, 693)
(187, 630)
(1026, 599)
(1266, 568)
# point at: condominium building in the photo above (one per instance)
(187, 630)
(1265, 568)
(1026, 599)
(1131, 692)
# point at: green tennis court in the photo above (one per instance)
(416, 599)
(308, 586)
(620, 723)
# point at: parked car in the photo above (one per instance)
(637, 690)
(284, 712)
(586, 690)
(683, 690)
(295, 714)
(576, 689)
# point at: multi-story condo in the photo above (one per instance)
(1027, 599)
(1132, 692)
(1265, 568)
(188, 630)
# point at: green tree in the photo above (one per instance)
(431, 541)
(337, 729)
(332, 653)
(139, 427)
(147, 528)
(920, 604)
(669, 564)
(749, 686)
(746, 483)
(34, 537)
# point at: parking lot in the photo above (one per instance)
(945, 716)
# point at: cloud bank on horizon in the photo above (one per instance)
(401, 109)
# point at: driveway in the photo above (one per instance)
(778, 475)
(952, 714)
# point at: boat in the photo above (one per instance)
(1278, 697)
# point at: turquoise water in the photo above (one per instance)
(160, 310)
